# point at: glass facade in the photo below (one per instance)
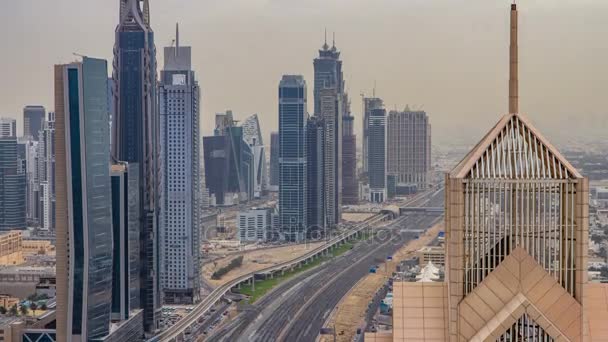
(12, 185)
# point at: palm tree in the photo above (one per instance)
(2, 310)
(23, 309)
(43, 306)
(34, 306)
(13, 311)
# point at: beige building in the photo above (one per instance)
(516, 246)
(434, 254)
(10, 248)
(37, 247)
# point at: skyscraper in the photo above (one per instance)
(369, 104)
(179, 98)
(330, 104)
(350, 183)
(274, 161)
(377, 155)
(33, 119)
(46, 158)
(84, 225)
(32, 167)
(12, 187)
(252, 134)
(315, 173)
(135, 132)
(8, 128)
(409, 151)
(292, 158)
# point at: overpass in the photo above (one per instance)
(177, 331)
(403, 210)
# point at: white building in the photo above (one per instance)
(254, 225)
(252, 134)
(181, 186)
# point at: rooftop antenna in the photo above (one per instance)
(513, 64)
(325, 46)
(334, 40)
(374, 90)
(176, 39)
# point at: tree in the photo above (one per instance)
(2, 310)
(34, 306)
(13, 311)
(43, 306)
(23, 309)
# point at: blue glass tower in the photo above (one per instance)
(292, 158)
(135, 136)
(84, 232)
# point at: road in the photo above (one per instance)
(297, 308)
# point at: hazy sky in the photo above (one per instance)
(448, 57)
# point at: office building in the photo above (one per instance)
(315, 174)
(46, 159)
(330, 104)
(350, 182)
(274, 161)
(135, 132)
(252, 134)
(516, 245)
(240, 173)
(217, 163)
(84, 204)
(223, 121)
(32, 171)
(292, 158)
(33, 120)
(409, 151)
(12, 187)
(125, 234)
(8, 128)
(369, 104)
(180, 200)
(254, 225)
(377, 156)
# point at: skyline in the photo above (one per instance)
(451, 43)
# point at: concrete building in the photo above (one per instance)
(84, 204)
(11, 252)
(409, 151)
(516, 245)
(135, 136)
(350, 182)
(369, 104)
(46, 159)
(377, 156)
(33, 120)
(274, 162)
(254, 225)
(8, 128)
(33, 170)
(315, 174)
(292, 158)
(180, 200)
(252, 134)
(12, 187)
(433, 254)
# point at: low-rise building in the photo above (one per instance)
(433, 254)
(10, 248)
(254, 225)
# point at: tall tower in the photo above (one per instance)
(135, 136)
(369, 104)
(292, 158)
(179, 107)
(84, 204)
(377, 156)
(33, 119)
(350, 183)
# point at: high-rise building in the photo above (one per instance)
(240, 173)
(222, 121)
(217, 163)
(369, 104)
(274, 161)
(330, 104)
(125, 234)
(46, 151)
(409, 151)
(8, 128)
(315, 173)
(32, 190)
(179, 98)
(252, 134)
(254, 225)
(292, 158)
(84, 204)
(377, 155)
(33, 120)
(350, 182)
(12, 187)
(135, 134)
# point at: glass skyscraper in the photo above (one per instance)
(84, 204)
(377, 155)
(292, 158)
(12, 186)
(33, 121)
(135, 132)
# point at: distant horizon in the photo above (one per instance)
(446, 58)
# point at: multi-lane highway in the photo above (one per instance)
(296, 309)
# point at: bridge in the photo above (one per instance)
(403, 210)
(176, 332)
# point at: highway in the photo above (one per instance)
(296, 309)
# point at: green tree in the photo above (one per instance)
(2, 310)
(33, 307)
(14, 311)
(23, 309)
(43, 306)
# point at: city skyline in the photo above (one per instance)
(438, 89)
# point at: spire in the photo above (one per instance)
(325, 46)
(334, 40)
(176, 39)
(147, 12)
(513, 64)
